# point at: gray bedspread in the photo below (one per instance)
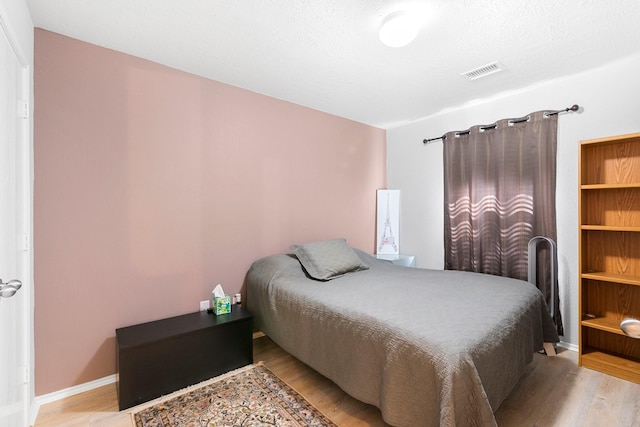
(427, 347)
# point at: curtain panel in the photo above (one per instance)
(500, 188)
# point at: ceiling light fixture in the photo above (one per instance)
(398, 29)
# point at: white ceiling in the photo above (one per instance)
(326, 55)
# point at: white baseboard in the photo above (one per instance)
(67, 392)
(568, 346)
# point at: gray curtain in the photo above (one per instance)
(499, 190)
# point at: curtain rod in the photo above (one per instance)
(573, 108)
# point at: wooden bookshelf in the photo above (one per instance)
(609, 254)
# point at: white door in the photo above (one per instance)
(14, 260)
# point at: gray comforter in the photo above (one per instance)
(427, 347)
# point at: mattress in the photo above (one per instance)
(427, 347)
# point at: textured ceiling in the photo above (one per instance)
(326, 55)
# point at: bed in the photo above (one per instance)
(427, 347)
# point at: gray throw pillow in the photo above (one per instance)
(328, 259)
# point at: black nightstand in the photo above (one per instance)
(157, 358)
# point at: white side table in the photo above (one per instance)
(403, 260)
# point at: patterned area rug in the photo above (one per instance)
(250, 396)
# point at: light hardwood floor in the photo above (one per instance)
(553, 392)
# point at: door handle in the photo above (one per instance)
(9, 289)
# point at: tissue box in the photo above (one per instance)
(222, 305)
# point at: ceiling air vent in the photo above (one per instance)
(484, 71)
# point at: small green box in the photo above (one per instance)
(222, 305)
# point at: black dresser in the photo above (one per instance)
(157, 358)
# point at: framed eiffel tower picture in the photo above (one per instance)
(388, 222)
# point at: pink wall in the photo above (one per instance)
(152, 185)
